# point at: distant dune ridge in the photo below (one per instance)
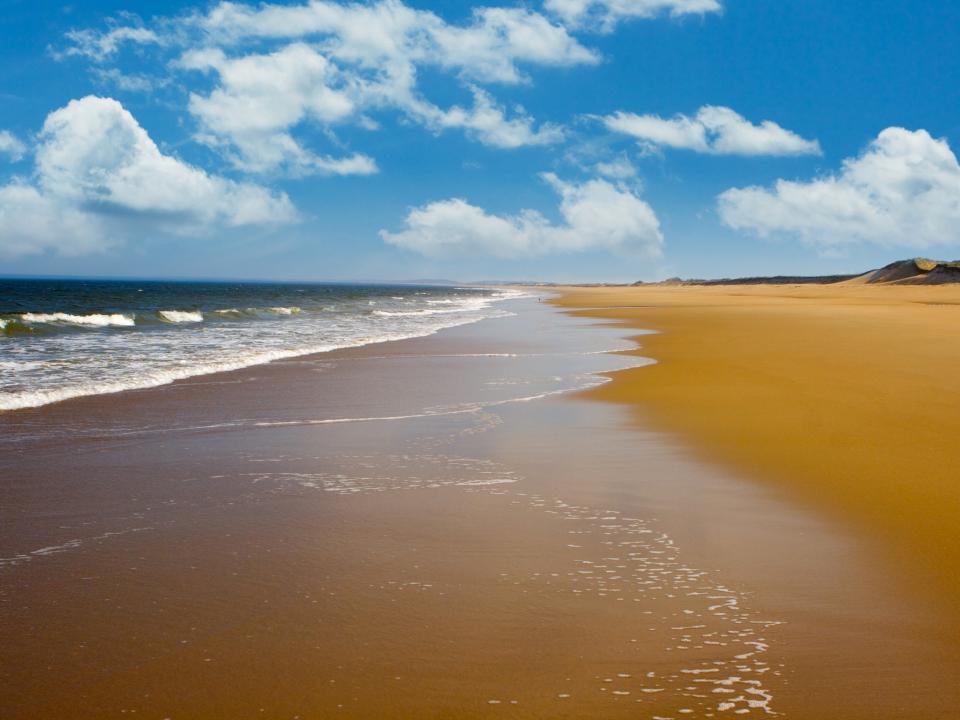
(916, 271)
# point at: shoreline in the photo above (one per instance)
(215, 548)
(843, 397)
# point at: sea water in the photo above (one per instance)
(67, 338)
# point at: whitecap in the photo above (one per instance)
(92, 320)
(181, 316)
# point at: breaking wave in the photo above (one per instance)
(181, 316)
(52, 356)
(92, 320)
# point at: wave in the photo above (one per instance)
(12, 327)
(37, 398)
(417, 313)
(254, 312)
(181, 316)
(149, 379)
(92, 320)
(168, 350)
(462, 307)
(31, 322)
(399, 313)
(231, 313)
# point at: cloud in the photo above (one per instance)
(715, 131)
(487, 47)
(99, 178)
(11, 146)
(603, 15)
(903, 190)
(100, 46)
(596, 214)
(261, 97)
(128, 82)
(487, 122)
(31, 222)
(498, 38)
(365, 58)
(278, 69)
(618, 168)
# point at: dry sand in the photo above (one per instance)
(847, 396)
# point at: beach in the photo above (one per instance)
(843, 395)
(469, 524)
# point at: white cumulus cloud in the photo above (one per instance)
(12, 146)
(713, 130)
(99, 178)
(604, 15)
(487, 47)
(903, 190)
(488, 122)
(344, 61)
(596, 215)
(279, 70)
(261, 97)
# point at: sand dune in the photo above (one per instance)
(914, 271)
(918, 271)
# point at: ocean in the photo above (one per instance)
(61, 339)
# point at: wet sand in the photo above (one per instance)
(483, 544)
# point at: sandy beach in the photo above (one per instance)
(843, 395)
(443, 527)
(555, 360)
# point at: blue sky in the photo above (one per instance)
(604, 140)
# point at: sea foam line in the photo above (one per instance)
(590, 381)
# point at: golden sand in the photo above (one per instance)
(846, 395)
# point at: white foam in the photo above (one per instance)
(65, 546)
(463, 409)
(181, 316)
(93, 320)
(425, 311)
(36, 398)
(485, 481)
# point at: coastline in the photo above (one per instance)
(844, 396)
(479, 542)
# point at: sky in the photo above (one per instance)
(554, 140)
